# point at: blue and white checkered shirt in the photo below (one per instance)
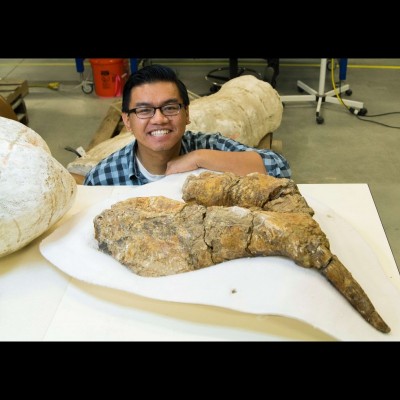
(121, 168)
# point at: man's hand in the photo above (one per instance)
(184, 163)
(240, 163)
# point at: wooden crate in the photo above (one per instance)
(14, 91)
(111, 125)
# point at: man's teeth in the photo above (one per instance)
(159, 133)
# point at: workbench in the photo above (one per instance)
(41, 302)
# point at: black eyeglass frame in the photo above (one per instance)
(133, 110)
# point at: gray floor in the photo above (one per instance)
(341, 150)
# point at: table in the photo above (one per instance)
(38, 302)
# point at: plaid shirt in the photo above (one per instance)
(121, 168)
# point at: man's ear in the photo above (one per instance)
(187, 115)
(127, 122)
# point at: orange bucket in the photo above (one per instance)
(109, 75)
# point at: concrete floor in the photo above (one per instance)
(343, 149)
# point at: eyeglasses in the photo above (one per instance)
(148, 112)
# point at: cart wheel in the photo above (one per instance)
(363, 111)
(349, 92)
(319, 120)
(87, 87)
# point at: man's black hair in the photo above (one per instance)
(150, 74)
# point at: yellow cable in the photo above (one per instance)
(334, 86)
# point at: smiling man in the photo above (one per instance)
(155, 108)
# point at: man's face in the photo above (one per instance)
(159, 132)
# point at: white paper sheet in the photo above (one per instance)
(261, 285)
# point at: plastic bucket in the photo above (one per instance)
(109, 75)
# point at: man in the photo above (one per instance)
(155, 108)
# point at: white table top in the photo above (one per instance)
(39, 302)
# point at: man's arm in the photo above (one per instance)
(239, 163)
(219, 153)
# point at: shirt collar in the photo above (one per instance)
(133, 167)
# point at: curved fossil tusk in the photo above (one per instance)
(338, 275)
